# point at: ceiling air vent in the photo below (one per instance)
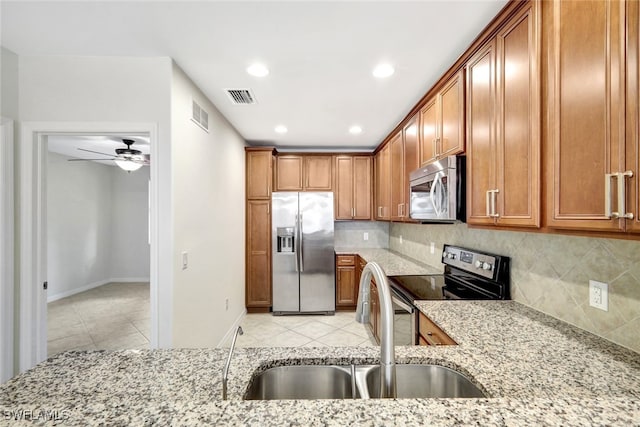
(241, 96)
(199, 116)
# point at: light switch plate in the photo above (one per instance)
(432, 248)
(185, 260)
(599, 295)
(365, 236)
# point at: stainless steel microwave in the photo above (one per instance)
(438, 191)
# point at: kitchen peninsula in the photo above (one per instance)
(535, 369)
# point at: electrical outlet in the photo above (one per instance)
(432, 248)
(365, 236)
(185, 260)
(226, 304)
(599, 295)
(401, 239)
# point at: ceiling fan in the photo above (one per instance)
(128, 158)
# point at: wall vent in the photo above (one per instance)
(241, 96)
(199, 116)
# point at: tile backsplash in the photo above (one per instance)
(549, 272)
(349, 234)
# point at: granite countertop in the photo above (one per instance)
(391, 262)
(536, 370)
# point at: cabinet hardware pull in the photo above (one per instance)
(608, 200)
(491, 203)
(495, 203)
(622, 194)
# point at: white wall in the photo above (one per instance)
(94, 90)
(78, 225)
(208, 188)
(8, 84)
(97, 224)
(129, 225)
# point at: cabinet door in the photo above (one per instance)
(259, 165)
(450, 139)
(428, 132)
(343, 195)
(258, 254)
(362, 187)
(480, 133)
(383, 194)
(584, 44)
(345, 286)
(318, 173)
(411, 160)
(632, 154)
(289, 173)
(518, 130)
(397, 177)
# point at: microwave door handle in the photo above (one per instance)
(434, 197)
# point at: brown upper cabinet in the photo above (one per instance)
(503, 125)
(442, 122)
(587, 150)
(303, 173)
(411, 160)
(352, 197)
(259, 164)
(382, 184)
(396, 183)
(404, 152)
(632, 146)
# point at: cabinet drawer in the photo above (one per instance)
(432, 334)
(361, 263)
(346, 260)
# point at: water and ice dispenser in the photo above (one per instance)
(285, 239)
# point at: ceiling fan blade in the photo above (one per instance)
(96, 152)
(82, 160)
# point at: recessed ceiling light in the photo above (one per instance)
(355, 130)
(281, 129)
(258, 70)
(383, 70)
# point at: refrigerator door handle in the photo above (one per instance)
(296, 244)
(301, 243)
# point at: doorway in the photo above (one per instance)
(32, 152)
(98, 254)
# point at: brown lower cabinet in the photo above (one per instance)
(430, 334)
(346, 292)
(258, 289)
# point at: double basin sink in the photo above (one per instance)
(358, 381)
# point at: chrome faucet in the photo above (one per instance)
(387, 350)
(225, 371)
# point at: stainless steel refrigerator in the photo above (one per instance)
(303, 253)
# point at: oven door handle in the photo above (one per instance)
(401, 302)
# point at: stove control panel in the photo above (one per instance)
(471, 261)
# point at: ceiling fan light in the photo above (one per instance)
(128, 165)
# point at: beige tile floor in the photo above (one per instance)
(116, 316)
(266, 330)
(110, 317)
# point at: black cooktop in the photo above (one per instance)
(468, 275)
(419, 287)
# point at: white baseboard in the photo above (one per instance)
(229, 335)
(68, 293)
(142, 280)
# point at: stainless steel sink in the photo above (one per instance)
(302, 382)
(359, 381)
(420, 381)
